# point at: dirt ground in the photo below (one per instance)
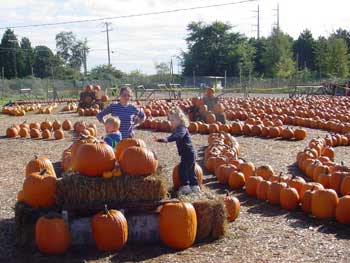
(262, 233)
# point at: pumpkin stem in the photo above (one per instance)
(106, 209)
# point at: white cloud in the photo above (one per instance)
(139, 42)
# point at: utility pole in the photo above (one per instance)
(85, 66)
(171, 71)
(277, 10)
(107, 24)
(257, 23)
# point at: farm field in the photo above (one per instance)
(262, 232)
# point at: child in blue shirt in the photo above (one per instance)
(185, 149)
(113, 136)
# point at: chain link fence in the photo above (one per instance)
(50, 88)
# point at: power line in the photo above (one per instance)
(258, 22)
(107, 24)
(130, 16)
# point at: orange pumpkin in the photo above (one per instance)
(128, 142)
(178, 225)
(233, 207)
(109, 230)
(176, 178)
(324, 203)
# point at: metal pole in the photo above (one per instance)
(3, 81)
(225, 79)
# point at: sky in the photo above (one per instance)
(142, 42)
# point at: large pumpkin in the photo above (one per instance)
(127, 142)
(110, 230)
(52, 234)
(92, 159)
(178, 225)
(39, 189)
(176, 178)
(138, 161)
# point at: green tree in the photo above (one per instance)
(43, 62)
(214, 48)
(260, 48)
(162, 68)
(278, 54)
(9, 55)
(304, 50)
(332, 58)
(105, 72)
(28, 57)
(71, 50)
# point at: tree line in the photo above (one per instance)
(216, 48)
(212, 49)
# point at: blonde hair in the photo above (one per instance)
(178, 113)
(113, 120)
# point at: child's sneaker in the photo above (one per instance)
(195, 188)
(184, 190)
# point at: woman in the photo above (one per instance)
(129, 115)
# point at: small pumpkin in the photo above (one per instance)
(251, 185)
(66, 125)
(342, 212)
(46, 134)
(289, 198)
(59, 134)
(38, 164)
(233, 207)
(261, 189)
(56, 125)
(324, 203)
(34, 133)
(236, 180)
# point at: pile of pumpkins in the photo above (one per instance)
(48, 101)
(47, 109)
(36, 130)
(89, 111)
(71, 106)
(19, 110)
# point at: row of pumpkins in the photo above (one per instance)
(110, 229)
(20, 110)
(290, 192)
(71, 106)
(46, 128)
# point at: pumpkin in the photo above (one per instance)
(92, 159)
(23, 132)
(236, 180)
(193, 127)
(210, 118)
(58, 134)
(109, 230)
(38, 164)
(336, 179)
(138, 161)
(299, 134)
(126, 143)
(56, 125)
(233, 207)
(34, 125)
(306, 200)
(342, 212)
(247, 168)
(11, 132)
(178, 225)
(66, 125)
(264, 171)
(46, 134)
(176, 178)
(289, 198)
(46, 125)
(251, 185)
(39, 189)
(34, 133)
(297, 182)
(261, 189)
(274, 191)
(223, 172)
(52, 234)
(308, 186)
(324, 203)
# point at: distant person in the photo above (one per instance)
(113, 137)
(129, 115)
(210, 100)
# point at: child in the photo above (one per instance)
(113, 136)
(181, 136)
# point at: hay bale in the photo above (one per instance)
(211, 214)
(25, 219)
(75, 190)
